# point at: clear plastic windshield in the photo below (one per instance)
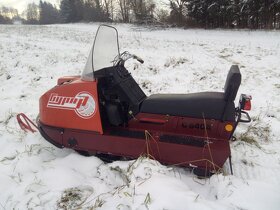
(104, 51)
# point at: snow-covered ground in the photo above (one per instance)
(36, 175)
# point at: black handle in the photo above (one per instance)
(247, 116)
(140, 60)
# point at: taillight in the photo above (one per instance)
(245, 102)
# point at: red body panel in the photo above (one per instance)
(181, 125)
(66, 122)
(168, 153)
(214, 150)
(72, 105)
(62, 80)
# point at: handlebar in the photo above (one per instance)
(123, 57)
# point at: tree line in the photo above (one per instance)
(254, 14)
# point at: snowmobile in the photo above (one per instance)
(104, 112)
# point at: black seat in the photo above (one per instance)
(210, 105)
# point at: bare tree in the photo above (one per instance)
(8, 12)
(32, 13)
(108, 6)
(162, 15)
(178, 11)
(143, 10)
(124, 10)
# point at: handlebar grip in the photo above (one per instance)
(140, 60)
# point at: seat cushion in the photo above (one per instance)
(211, 105)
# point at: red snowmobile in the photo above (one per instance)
(104, 112)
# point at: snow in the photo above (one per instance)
(36, 175)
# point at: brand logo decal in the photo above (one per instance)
(83, 103)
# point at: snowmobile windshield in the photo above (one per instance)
(103, 53)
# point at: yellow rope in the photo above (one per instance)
(208, 145)
(149, 136)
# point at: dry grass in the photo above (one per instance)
(73, 198)
(256, 132)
